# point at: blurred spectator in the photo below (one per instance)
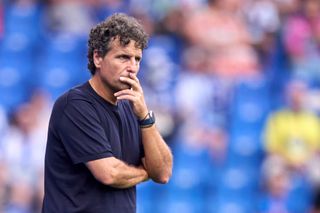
(262, 17)
(283, 192)
(103, 8)
(203, 101)
(263, 20)
(287, 7)
(157, 9)
(224, 38)
(68, 17)
(292, 132)
(22, 155)
(302, 40)
(277, 183)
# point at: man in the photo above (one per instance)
(293, 132)
(292, 135)
(102, 139)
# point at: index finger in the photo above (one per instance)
(136, 79)
(132, 81)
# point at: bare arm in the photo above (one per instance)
(113, 172)
(158, 157)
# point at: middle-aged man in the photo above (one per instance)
(102, 139)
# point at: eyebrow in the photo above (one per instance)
(124, 53)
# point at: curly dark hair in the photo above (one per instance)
(118, 25)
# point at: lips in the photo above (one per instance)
(126, 84)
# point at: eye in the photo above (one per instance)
(138, 59)
(124, 57)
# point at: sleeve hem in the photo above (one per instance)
(92, 157)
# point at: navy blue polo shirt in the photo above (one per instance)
(84, 127)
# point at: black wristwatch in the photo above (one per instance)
(148, 121)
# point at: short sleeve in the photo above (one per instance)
(81, 133)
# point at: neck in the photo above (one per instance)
(102, 90)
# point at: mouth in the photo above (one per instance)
(125, 85)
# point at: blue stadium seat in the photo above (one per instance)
(187, 188)
(238, 181)
(61, 64)
(13, 86)
(145, 201)
(233, 204)
(245, 148)
(170, 44)
(250, 104)
(23, 21)
(175, 205)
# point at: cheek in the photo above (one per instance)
(117, 67)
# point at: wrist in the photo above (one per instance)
(143, 115)
(148, 120)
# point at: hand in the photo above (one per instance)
(145, 173)
(134, 95)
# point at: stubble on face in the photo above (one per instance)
(117, 65)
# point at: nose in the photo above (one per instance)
(133, 66)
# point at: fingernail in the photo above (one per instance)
(121, 78)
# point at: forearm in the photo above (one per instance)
(126, 176)
(114, 172)
(158, 157)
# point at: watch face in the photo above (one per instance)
(148, 121)
(152, 116)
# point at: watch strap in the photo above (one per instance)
(148, 121)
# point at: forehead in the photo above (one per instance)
(131, 48)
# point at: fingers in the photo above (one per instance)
(133, 81)
(127, 92)
(134, 95)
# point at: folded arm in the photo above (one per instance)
(114, 172)
(158, 158)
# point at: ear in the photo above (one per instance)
(97, 59)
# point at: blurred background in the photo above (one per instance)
(234, 85)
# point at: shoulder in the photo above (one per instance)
(76, 93)
(73, 99)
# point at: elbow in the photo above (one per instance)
(162, 179)
(162, 175)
